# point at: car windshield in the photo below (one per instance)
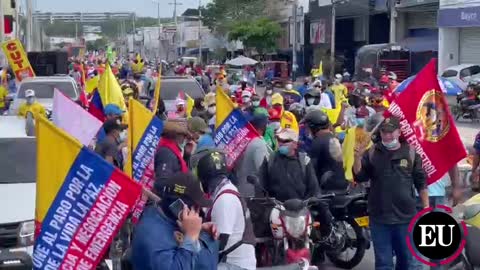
(171, 88)
(449, 73)
(470, 71)
(18, 160)
(46, 89)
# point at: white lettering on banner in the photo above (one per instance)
(145, 152)
(468, 16)
(411, 137)
(65, 220)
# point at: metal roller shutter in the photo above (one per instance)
(417, 20)
(470, 45)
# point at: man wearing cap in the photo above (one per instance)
(287, 119)
(31, 105)
(201, 133)
(169, 156)
(395, 172)
(171, 234)
(252, 158)
(112, 112)
(288, 174)
(211, 106)
(109, 148)
(339, 90)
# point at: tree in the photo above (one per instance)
(221, 15)
(259, 34)
(97, 44)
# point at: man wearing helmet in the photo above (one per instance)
(326, 151)
(229, 211)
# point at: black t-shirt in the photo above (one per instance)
(108, 147)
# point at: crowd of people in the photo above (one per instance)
(202, 220)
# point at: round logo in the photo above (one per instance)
(432, 116)
(435, 235)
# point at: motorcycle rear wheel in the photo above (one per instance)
(359, 244)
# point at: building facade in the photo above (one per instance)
(459, 32)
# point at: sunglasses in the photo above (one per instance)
(284, 141)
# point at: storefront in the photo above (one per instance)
(459, 34)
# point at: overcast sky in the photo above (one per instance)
(142, 8)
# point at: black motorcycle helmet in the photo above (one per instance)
(316, 120)
(208, 165)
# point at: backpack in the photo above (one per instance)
(248, 236)
(411, 154)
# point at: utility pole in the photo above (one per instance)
(294, 45)
(2, 23)
(29, 40)
(332, 41)
(199, 32)
(393, 22)
(175, 4)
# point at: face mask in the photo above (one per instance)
(310, 101)
(30, 100)
(256, 103)
(391, 145)
(212, 110)
(274, 125)
(284, 150)
(123, 136)
(360, 122)
(269, 92)
(246, 100)
(288, 87)
(182, 145)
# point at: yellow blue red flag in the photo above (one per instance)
(144, 134)
(233, 132)
(108, 92)
(81, 202)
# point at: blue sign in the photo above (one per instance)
(459, 17)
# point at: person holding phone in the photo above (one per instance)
(171, 234)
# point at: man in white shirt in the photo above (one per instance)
(315, 99)
(229, 212)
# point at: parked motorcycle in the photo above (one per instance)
(290, 226)
(460, 110)
(351, 222)
(469, 259)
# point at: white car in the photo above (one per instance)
(17, 193)
(462, 74)
(44, 88)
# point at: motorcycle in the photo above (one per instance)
(290, 226)
(469, 259)
(351, 221)
(471, 112)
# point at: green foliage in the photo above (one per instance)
(97, 44)
(221, 15)
(259, 34)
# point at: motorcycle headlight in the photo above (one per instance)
(26, 232)
(295, 226)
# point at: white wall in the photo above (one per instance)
(448, 48)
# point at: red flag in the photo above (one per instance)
(428, 125)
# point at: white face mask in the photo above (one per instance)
(289, 86)
(310, 101)
(246, 99)
(212, 110)
(275, 125)
(30, 100)
(269, 92)
(123, 136)
(256, 103)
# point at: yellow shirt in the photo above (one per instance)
(3, 96)
(341, 92)
(34, 108)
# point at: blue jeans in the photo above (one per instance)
(389, 239)
(434, 202)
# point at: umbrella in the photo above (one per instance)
(449, 88)
(242, 61)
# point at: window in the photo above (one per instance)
(46, 89)
(470, 71)
(18, 160)
(171, 88)
(449, 73)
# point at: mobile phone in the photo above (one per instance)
(177, 207)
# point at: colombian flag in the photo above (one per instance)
(144, 134)
(81, 202)
(108, 92)
(233, 132)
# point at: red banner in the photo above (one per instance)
(427, 124)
